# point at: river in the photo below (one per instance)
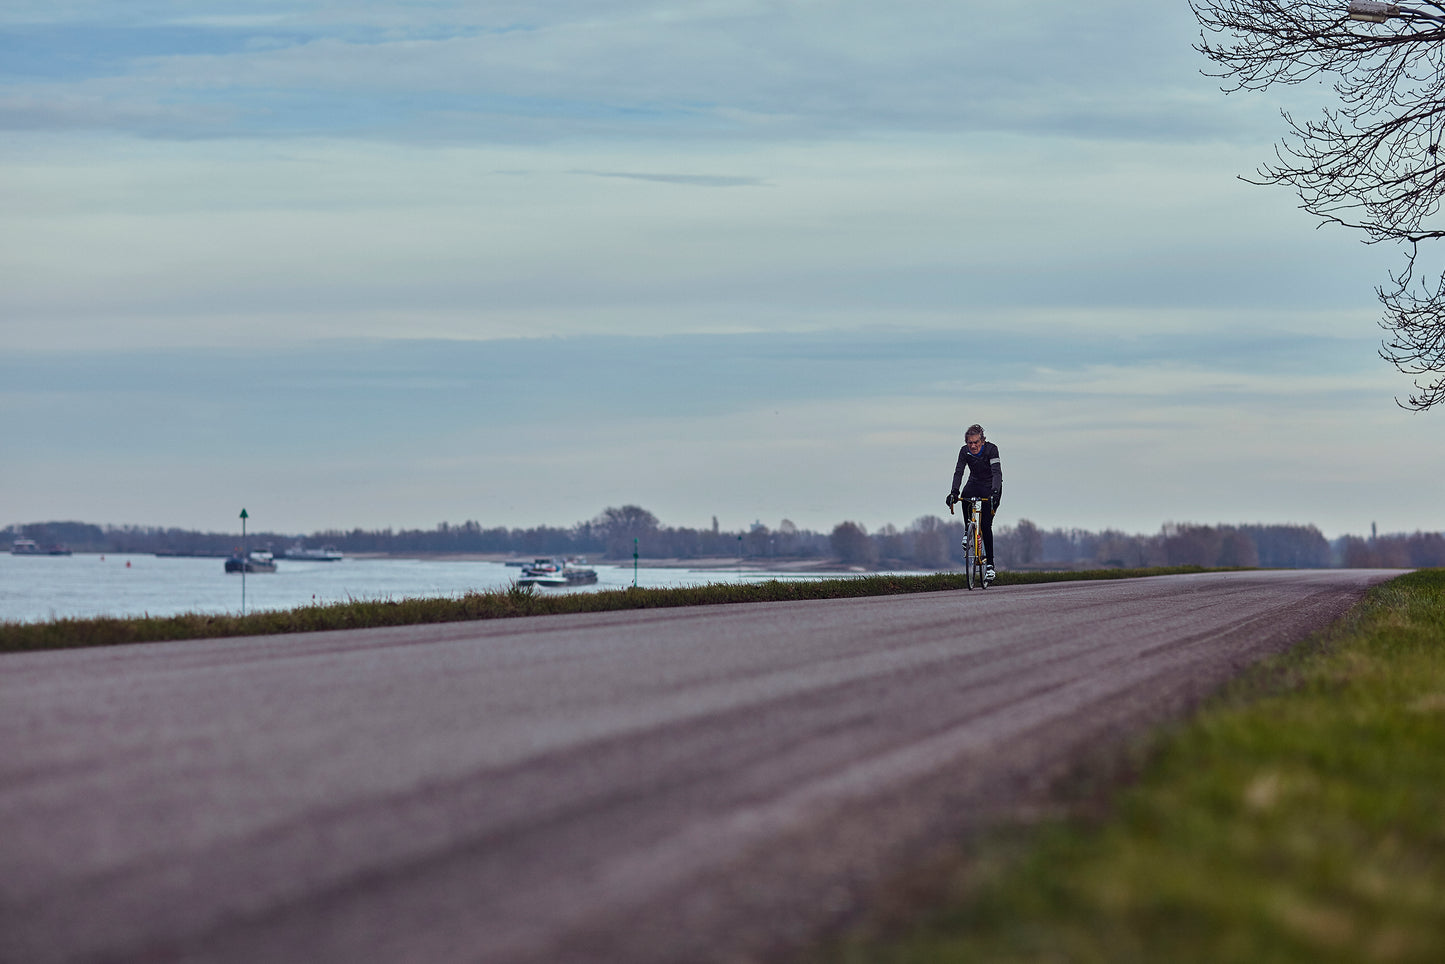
(39, 588)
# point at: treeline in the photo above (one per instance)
(932, 542)
(929, 542)
(610, 535)
(614, 534)
(1270, 546)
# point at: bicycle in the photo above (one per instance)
(973, 556)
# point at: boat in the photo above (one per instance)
(253, 562)
(556, 572)
(324, 554)
(29, 547)
(542, 572)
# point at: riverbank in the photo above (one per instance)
(706, 564)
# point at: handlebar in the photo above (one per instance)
(972, 498)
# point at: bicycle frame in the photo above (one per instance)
(973, 557)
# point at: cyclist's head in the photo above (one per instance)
(975, 431)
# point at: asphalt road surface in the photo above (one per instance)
(715, 783)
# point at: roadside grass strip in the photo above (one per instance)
(1299, 817)
(499, 604)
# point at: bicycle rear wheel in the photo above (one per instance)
(970, 554)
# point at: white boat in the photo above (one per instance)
(555, 572)
(29, 547)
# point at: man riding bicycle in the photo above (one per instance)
(985, 481)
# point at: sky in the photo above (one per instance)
(367, 265)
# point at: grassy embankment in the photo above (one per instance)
(361, 614)
(1300, 817)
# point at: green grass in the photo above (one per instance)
(359, 614)
(1300, 817)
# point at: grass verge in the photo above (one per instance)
(514, 601)
(1297, 818)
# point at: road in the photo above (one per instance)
(713, 783)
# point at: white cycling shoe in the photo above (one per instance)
(988, 575)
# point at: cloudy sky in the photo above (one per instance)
(394, 263)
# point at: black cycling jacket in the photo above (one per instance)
(985, 474)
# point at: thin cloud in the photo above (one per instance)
(733, 69)
(691, 180)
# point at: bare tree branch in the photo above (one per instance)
(1416, 341)
(1373, 163)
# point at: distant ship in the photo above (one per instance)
(324, 554)
(255, 562)
(555, 572)
(29, 547)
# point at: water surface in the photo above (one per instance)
(37, 588)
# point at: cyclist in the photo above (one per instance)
(985, 480)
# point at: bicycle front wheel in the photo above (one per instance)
(970, 554)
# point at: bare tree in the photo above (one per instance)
(1030, 542)
(1372, 163)
(851, 544)
(619, 527)
(930, 542)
